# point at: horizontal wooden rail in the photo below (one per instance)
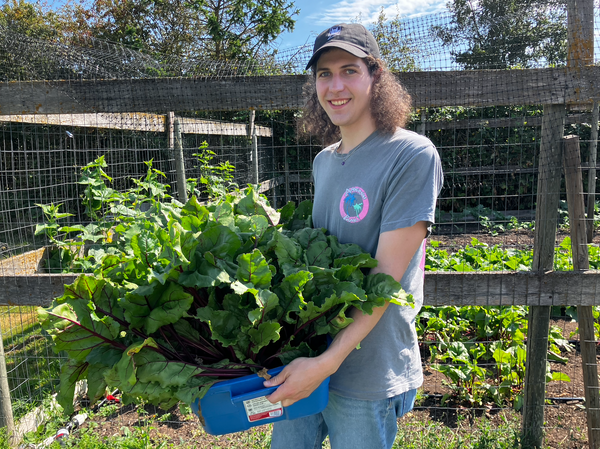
(556, 288)
(136, 121)
(428, 89)
(504, 122)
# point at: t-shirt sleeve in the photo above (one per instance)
(412, 189)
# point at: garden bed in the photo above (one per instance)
(429, 425)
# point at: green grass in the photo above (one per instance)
(468, 434)
(32, 366)
(414, 432)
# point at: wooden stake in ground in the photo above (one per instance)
(6, 415)
(254, 154)
(548, 194)
(591, 199)
(574, 183)
(179, 163)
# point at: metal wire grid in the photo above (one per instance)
(82, 57)
(40, 162)
(33, 369)
(42, 166)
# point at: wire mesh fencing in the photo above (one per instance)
(105, 100)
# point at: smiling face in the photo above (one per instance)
(344, 90)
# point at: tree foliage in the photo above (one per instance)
(214, 29)
(30, 19)
(22, 24)
(396, 48)
(498, 34)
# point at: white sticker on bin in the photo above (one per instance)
(261, 408)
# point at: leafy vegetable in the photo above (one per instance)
(181, 296)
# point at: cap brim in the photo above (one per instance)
(352, 49)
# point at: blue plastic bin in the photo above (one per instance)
(239, 404)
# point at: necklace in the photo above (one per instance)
(350, 153)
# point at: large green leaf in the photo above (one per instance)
(146, 247)
(256, 225)
(384, 286)
(195, 209)
(223, 215)
(224, 325)
(77, 340)
(154, 367)
(105, 354)
(150, 392)
(253, 204)
(88, 295)
(291, 298)
(96, 382)
(123, 374)
(266, 301)
(139, 303)
(170, 307)
(70, 373)
(254, 269)
(204, 276)
(287, 212)
(264, 334)
(221, 241)
(301, 217)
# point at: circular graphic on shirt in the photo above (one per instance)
(354, 205)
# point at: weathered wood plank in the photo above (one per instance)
(137, 121)
(592, 161)
(33, 290)
(504, 122)
(574, 186)
(270, 183)
(538, 319)
(441, 288)
(554, 288)
(451, 88)
(24, 264)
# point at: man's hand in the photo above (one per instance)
(298, 380)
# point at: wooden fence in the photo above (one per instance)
(555, 88)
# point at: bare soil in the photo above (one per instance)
(565, 413)
(520, 239)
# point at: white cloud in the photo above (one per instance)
(366, 11)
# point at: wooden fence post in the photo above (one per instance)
(577, 222)
(254, 141)
(170, 130)
(592, 160)
(179, 163)
(548, 195)
(6, 415)
(286, 168)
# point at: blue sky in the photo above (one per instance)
(317, 15)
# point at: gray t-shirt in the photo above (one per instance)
(385, 183)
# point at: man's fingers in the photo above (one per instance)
(273, 382)
(276, 396)
(280, 395)
(276, 380)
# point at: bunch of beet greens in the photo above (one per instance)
(179, 296)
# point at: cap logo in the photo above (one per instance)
(333, 31)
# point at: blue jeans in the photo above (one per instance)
(350, 423)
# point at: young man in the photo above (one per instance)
(376, 187)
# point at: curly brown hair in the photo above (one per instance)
(390, 105)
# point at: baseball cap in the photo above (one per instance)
(351, 37)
